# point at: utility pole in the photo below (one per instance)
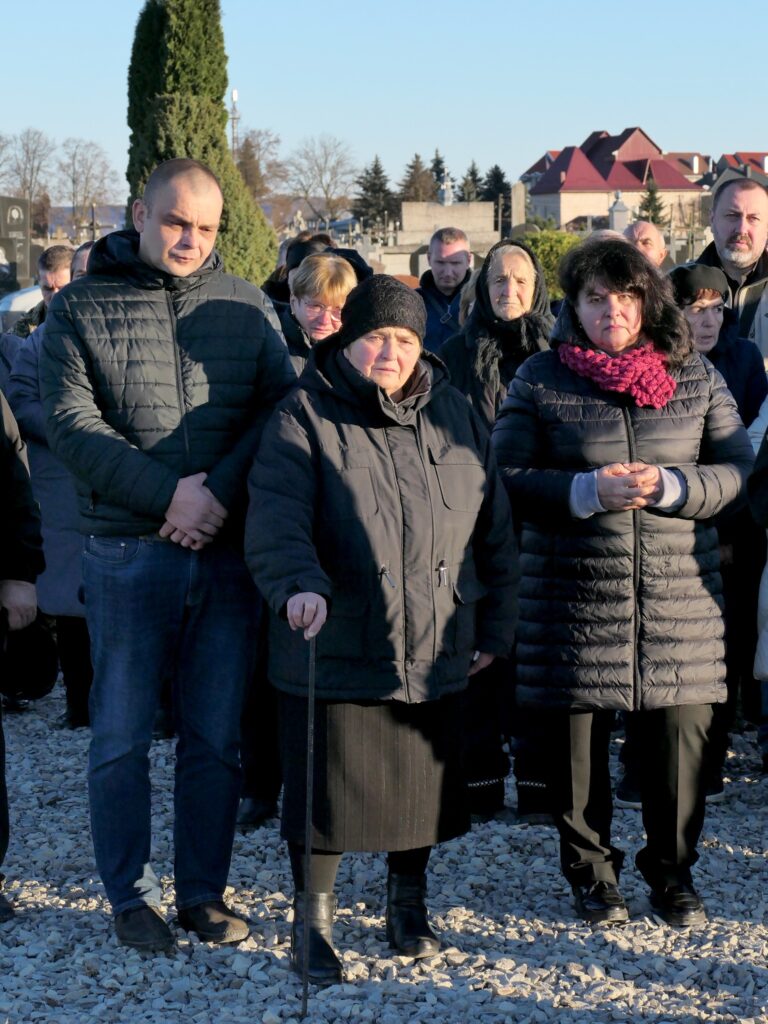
(234, 117)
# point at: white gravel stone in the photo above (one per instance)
(514, 950)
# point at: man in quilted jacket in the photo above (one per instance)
(157, 372)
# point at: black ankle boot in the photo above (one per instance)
(324, 967)
(408, 930)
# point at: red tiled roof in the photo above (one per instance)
(593, 167)
(542, 163)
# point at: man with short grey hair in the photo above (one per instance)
(739, 222)
(450, 263)
(648, 239)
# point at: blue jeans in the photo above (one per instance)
(157, 611)
(762, 728)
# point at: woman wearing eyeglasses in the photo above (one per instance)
(319, 289)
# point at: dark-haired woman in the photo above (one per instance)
(618, 447)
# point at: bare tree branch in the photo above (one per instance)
(322, 169)
(29, 163)
(85, 177)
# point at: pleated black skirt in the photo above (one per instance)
(387, 775)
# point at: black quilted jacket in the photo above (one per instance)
(147, 378)
(623, 609)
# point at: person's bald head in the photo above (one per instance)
(178, 216)
(648, 239)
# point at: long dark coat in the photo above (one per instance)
(621, 610)
(395, 514)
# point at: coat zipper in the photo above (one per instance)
(402, 572)
(179, 382)
(635, 572)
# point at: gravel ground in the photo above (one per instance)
(513, 951)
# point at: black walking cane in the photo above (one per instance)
(308, 823)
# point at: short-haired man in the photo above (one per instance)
(157, 371)
(450, 262)
(53, 272)
(739, 222)
(648, 239)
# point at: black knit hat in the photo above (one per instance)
(691, 278)
(381, 301)
(298, 251)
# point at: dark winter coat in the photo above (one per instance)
(147, 378)
(740, 363)
(21, 546)
(296, 338)
(442, 310)
(395, 514)
(485, 356)
(621, 610)
(53, 487)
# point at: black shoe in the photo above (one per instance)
(254, 812)
(323, 966)
(533, 803)
(600, 903)
(628, 795)
(213, 921)
(6, 910)
(163, 727)
(143, 928)
(14, 704)
(408, 930)
(715, 793)
(679, 905)
(486, 799)
(73, 718)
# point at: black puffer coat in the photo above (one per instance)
(296, 338)
(621, 610)
(397, 515)
(483, 358)
(147, 378)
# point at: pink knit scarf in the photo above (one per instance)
(640, 372)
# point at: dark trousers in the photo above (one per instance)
(3, 799)
(672, 746)
(74, 648)
(259, 734)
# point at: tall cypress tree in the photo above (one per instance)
(176, 84)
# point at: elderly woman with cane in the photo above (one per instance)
(617, 447)
(378, 525)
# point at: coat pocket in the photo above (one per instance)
(460, 477)
(466, 593)
(344, 632)
(347, 489)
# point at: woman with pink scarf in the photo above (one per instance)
(617, 448)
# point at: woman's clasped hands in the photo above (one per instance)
(623, 486)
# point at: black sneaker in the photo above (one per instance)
(6, 910)
(213, 921)
(715, 793)
(600, 903)
(628, 795)
(679, 905)
(143, 928)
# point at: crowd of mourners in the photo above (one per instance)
(348, 537)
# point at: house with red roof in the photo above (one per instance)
(582, 181)
(751, 165)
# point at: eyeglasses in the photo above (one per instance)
(318, 309)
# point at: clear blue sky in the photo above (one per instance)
(499, 81)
